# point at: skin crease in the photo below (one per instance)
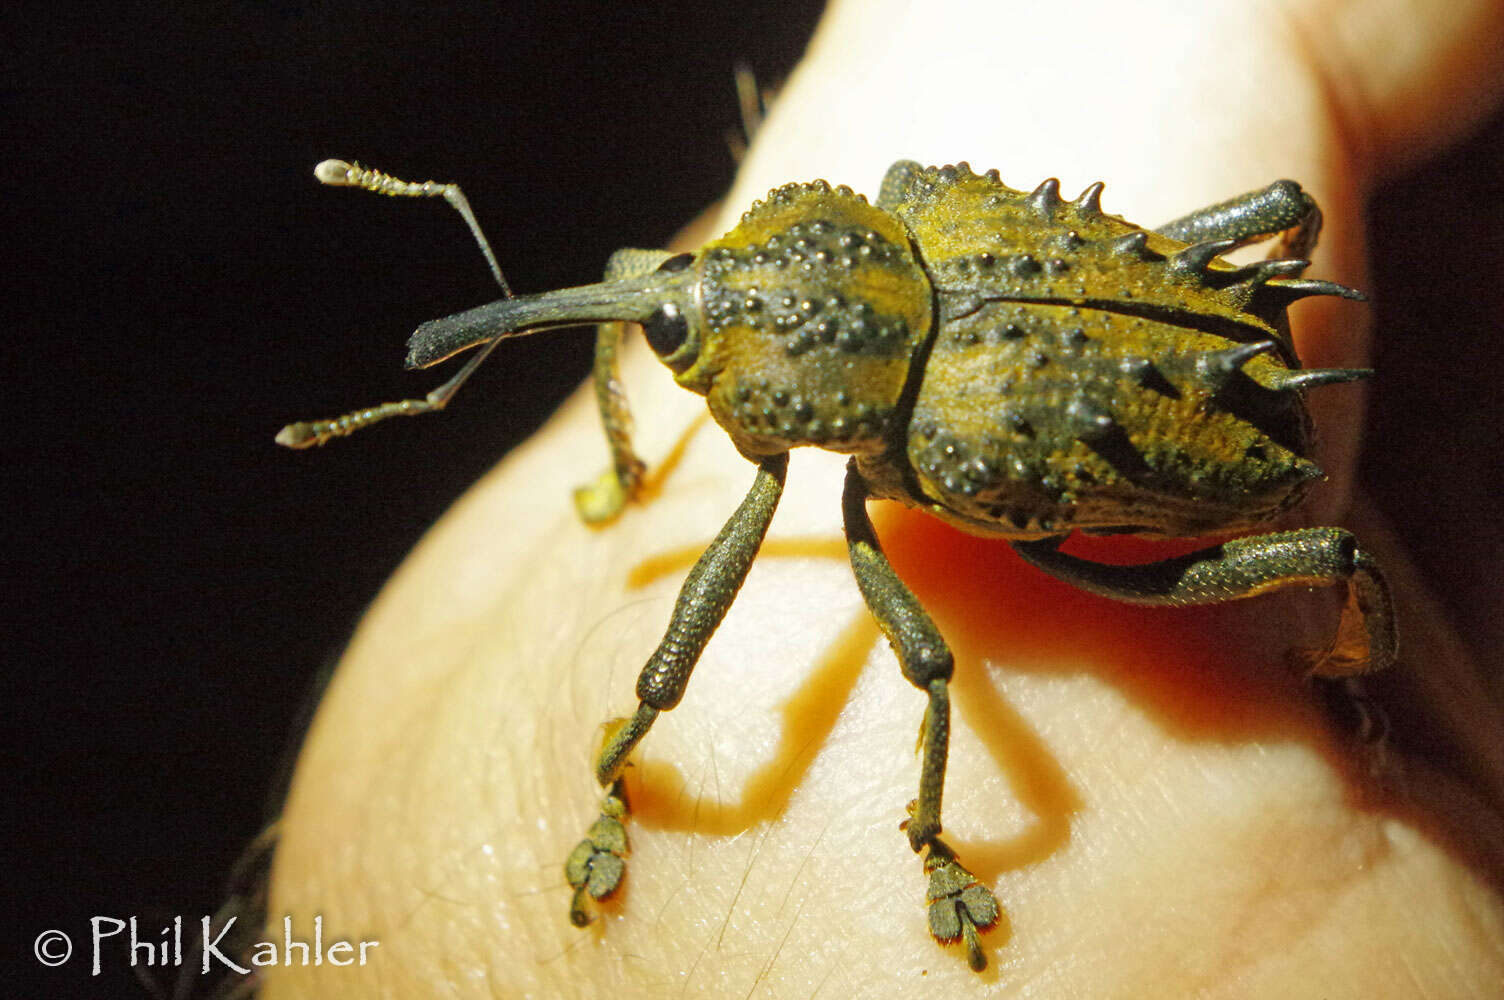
(1160, 806)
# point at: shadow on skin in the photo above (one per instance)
(1215, 674)
(662, 799)
(1200, 673)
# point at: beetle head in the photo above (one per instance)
(799, 325)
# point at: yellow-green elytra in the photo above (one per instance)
(1014, 363)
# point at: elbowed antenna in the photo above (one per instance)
(631, 299)
(338, 173)
(486, 326)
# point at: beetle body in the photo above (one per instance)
(1016, 364)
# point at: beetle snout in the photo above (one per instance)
(634, 299)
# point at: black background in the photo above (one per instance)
(177, 287)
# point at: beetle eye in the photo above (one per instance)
(666, 329)
(678, 262)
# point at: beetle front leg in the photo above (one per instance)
(602, 500)
(595, 866)
(1365, 638)
(1282, 207)
(959, 905)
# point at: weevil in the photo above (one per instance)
(1015, 364)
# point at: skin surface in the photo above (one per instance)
(1161, 806)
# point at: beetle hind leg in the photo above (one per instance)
(1282, 207)
(959, 906)
(1365, 638)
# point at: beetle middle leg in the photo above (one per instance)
(602, 500)
(1365, 637)
(595, 866)
(959, 905)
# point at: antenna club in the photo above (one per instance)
(299, 435)
(335, 173)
